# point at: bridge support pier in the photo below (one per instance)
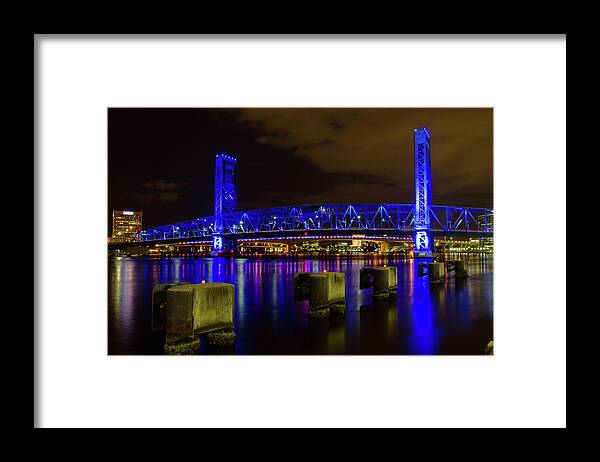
(217, 247)
(424, 247)
(223, 246)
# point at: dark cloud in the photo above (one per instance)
(152, 198)
(363, 144)
(157, 192)
(162, 185)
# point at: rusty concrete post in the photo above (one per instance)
(383, 279)
(159, 304)
(325, 292)
(436, 271)
(196, 309)
(460, 269)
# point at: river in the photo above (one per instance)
(451, 318)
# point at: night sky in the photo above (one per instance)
(161, 161)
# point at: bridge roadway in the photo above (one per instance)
(299, 235)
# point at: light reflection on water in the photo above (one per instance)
(454, 317)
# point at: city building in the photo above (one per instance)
(486, 220)
(125, 223)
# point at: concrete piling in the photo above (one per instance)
(383, 279)
(436, 271)
(196, 309)
(326, 292)
(214, 313)
(180, 312)
(301, 286)
(182, 345)
(393, 281)
(222, 338)
(213, 307)
(460, 269)
(159, 304)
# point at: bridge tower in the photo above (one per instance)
(225, 198)
(422, 238)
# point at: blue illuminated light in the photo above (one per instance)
(340, 220)
(424, 338)
(225, 196)
(422, 239)
(217, 243)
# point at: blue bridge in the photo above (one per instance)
(422, 220)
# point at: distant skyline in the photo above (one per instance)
(161, 160)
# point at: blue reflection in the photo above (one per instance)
(425, 336)
(452, 318)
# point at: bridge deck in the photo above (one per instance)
(327, 220)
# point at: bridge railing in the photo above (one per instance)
(200, 227)
(450, 218)
(343, 217)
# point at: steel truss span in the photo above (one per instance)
(342, 217)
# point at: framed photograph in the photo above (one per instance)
(299, 231)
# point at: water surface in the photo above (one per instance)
(452, 318)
